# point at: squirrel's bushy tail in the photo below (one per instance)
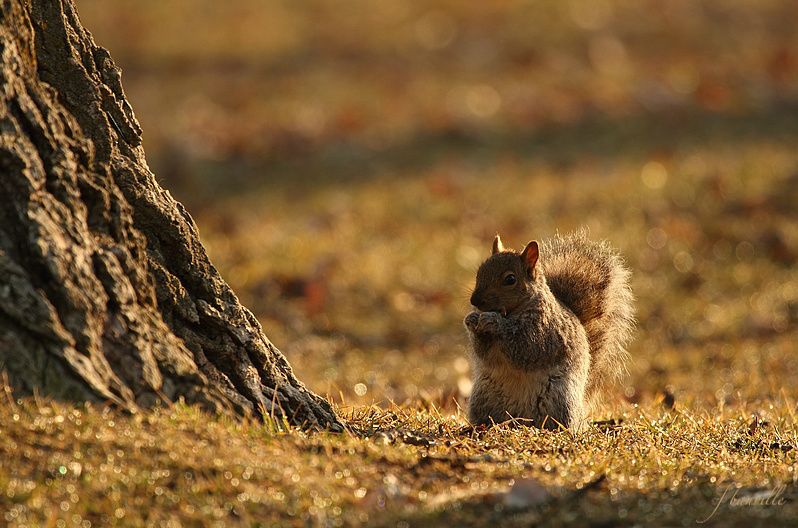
(590, 278)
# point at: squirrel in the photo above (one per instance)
(549, 331)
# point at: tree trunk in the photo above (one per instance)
(106, 292)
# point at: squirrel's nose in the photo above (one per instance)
(475, 299)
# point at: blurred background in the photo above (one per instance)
(348, 164)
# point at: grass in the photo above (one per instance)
(410, 467)
(348, 167)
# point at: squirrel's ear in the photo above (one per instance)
(497, 244)
(530, 254)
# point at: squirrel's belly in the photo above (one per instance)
(522, 391)
(501, 392)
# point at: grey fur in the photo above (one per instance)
(543, 348)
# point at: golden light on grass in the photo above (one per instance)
(654, 175)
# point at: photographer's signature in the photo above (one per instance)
(736, 497)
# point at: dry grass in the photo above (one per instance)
(411, 467)
(348, 168)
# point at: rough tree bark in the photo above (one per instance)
(106, 292)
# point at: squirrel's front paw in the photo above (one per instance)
(471, 320)
(488, 323)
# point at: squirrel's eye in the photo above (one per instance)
(509, 280)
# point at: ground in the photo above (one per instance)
(348, 166)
